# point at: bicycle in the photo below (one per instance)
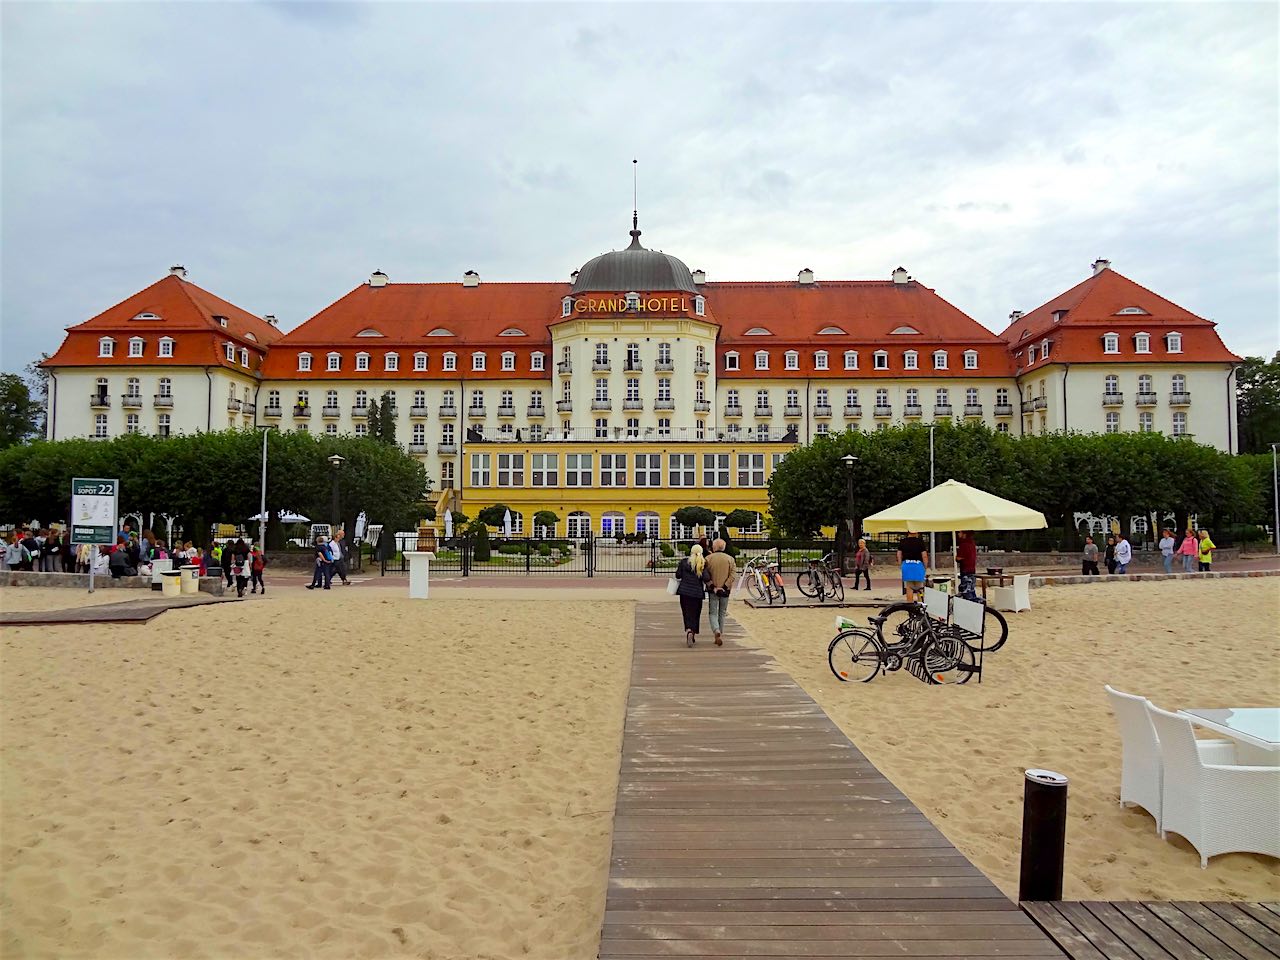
(933, 653)
(764, 580)
(820, 580)
(894, 619)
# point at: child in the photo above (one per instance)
(257, 564)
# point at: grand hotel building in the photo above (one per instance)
(639, 386)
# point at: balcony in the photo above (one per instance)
(764, 410)
(879, 411)
(701, 368)
(536, 413)
(131, 401)
(418, 410)
(506, 413)
(1146, 399)
(1003, 409)
(233, 405)
(249, 409)
(267, 411)
(564, 367)
(1040, 403)
(664, 366)
(360, 413)
(301, 411)
(732, 410)
(661, 404)
(852, 412)
(418, 448)
(793, 410)
(448, 411)
(446, 449)
(943, 410)
(974, 410)
(1179, 399)
(632, 404)
(1113, 399)
(330, 412)
(633, 366)
(822, 411)
(601, 366)
(564, 406)
(601, 404)
(1027, 406)
(99, 401)
(913, 410)
(702, 406)
(476, 411)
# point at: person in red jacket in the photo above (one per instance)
(967, 561)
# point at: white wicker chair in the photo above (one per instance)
(1218, 808)
(1141, 772)
(1014, 598)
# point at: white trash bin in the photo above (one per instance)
(158, 568)
(171, 585)
(190, 579)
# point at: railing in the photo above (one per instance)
(564, 406)
(267, 411)
(418, 448)
(446, 449)
(632, 404)
(1003, 409)
(99, 400)
(328, 411)
(1027, 406)
(647, 435)
(1179, 399)
(792, 410)
(249, 408)
(633, 366)
(564, 366)
(880, 411)
(360, 413)
(913, 410)
(1113, 399)
(1040, 403)
(448, 411)
(302, 411)
(233, 404)
(850, 412)
(822, 410)
(702, 406)
(1146, 399)
(732, 411)
(418, 410)
(163, 400)
(764, 410)
(476, 410)
(538, 411)
(664, 366)
(131, 401)
(664, 404)
(601, 404)
(701, 368)
(973, 409)
(942, 410)
(601, 366)
(506, 412)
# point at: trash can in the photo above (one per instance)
(158, 569)
(171, 585)
(190, 579)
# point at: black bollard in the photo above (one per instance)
(1044, 835)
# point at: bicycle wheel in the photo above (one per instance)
(806, 583)
(949, 659)
(837, 587)
(754, 587)
(898, 617)
(779, 589)
(855, 655)
(994, 634)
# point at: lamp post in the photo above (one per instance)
(336, 462)
(933, 541)
(262, 502)
(848, 460)
(1275, 484)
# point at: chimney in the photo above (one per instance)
(699, 277)
(574, 276)
(271, 319)
(1100, 265)
(178, 270)
(471, 279)
(378, 279)
(900, 276)
(805, 277)
(1015, 316)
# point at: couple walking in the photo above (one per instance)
(702, 575)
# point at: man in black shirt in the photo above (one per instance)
(913, 556)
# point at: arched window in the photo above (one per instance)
(647, 522)
(578, 525)
(613, 524)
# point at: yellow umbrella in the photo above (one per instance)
(955, 506)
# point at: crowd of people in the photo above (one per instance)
(330, 560)
(1195, 548)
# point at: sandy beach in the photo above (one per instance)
(959, 752)
(348, 776)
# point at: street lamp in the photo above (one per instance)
(1275, 484)
(336, 462)
(848, 460)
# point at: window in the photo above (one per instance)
(791, 360)
(751, 469)
(566, 390)
(910, 360)
(793, 398)
(851, 397)
(135, 346)
(1002, 396)
(613, 469)
(664, 388)
(164, 424)
(1173, 343)
(602, 428)
(506, 400)
(1179, 383)
(546, 469)
(477, 399)
(535, 399)
(1146, 421)
(535, 432)
(1179, 424)
(700, 391)
(831, 331)
(166, 346)
(762, 399)
(1142, 343)
(971, 359)
(391, 361)
(331, 399)
(633, 389)
(700, 429)
(762, 360)
(1113, 422)
(731, 361)
(632, 354)
(106, 348)
(419, 434)
(820, 360)
(230, 351)
(971, 397)
(633, 427)
(664, 426)
(537, 360)
(420, 399)
(1031, 354)
(905, 331)
(511, 469)
(446, 433)
(715, 469)
(913, 397)
(304, 362)
(480, 469)
(699, 305)
(566, 306)
(1044, 349)
(446, 400)
(1144, 383)
(100, 425)
(822, 428)
(419, 361)
(851, 359)
(451, 361)
(882, 397)
(362, 399)
(577, 469)
(880, 360)
(664, 353)
(681, 469)
(334, 361)
(131, 423)
(648, 469)
(939, 359)
(244, 356)
(758, 332)
(602, 388)
(133, 387)
(1111, 385)
(508, 360)
(362, 361)
(477, 361)
(823, 397)
(1111, 344)
(1002, 426)
(302, 398)
(602, 353)
(942, 397)
(446, 472)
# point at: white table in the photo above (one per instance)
(419, 573)
(1256, 730)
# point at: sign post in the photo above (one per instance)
(95, 505)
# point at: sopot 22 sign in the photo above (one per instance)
(94, 509)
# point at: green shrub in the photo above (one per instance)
(564, 549)
(667, 550)
(480, 539)
(544, 549)
(511, 549)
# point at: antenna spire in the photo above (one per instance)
(635, 194)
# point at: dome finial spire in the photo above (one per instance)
(635, 206)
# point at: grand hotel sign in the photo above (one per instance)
(631, 303)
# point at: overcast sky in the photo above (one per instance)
(284, 151)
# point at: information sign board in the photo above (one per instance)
(94, 509)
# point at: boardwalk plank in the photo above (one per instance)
(1242, 920)
(1244, 945)
(1160, 932)
(1260, 913)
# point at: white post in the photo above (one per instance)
(933, 537)
(262, 523)
(1275, 483)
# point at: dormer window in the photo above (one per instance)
(1173, 342)
(135, 346)
(333, 361)
(441, 332)
(902, 331)
(820, 360)
(791, 360)
(831, 332)
(230, 351)
(304, 362)
(369, 332)
(477, 361)
(1111, 343)
(251, 337)
(762, 360)
(147, 315)
(244, 356)
(222, 321)
(419, 361)
(451, 361)
(391, 361)
(362, 361)
(940, 360)
(106, 347)
(166, 346)
(1130, 311)
(633, 301)
(700, 306)
(910, 360)
(758, 332)
(566, 307)
(851, 359)
(880, 360)
(508, 360)
(537, 360)
(731, 360)
(1044, 349)
(1031, 354)
(1059, 316)
(971, 359)
(1142, 343)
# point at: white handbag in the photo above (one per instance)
(672, 586)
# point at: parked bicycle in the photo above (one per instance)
(932, 650)
(897, 619)
(764, 580)
(821, 580)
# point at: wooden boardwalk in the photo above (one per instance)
(126, 611)
(1162, 931)
(747, 825)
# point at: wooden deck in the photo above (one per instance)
(126, 611)
(747, 825)
(1162, 931)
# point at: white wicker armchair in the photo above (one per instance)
(1217, 807)
(1141, 772)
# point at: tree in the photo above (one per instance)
(481, 549)
(492, 515)
(19, 413)
(544, 520)
(738, 519)
(37, 377)
(386, 428)
(1258, 403)
(695, 517)
(374, 422)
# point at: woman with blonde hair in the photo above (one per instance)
(691, 587)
